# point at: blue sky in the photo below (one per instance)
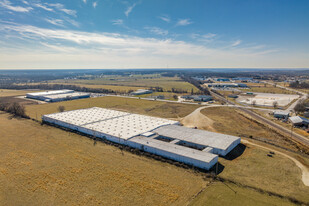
(85, 34)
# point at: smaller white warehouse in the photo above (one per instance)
(158, 136)
(57, 95)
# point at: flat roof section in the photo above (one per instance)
(175, 149)
(86, 116)
(64, 91)
(119, 124)
(201, 137)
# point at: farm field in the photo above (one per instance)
(167, 83)
(43, 165)
(152, 108)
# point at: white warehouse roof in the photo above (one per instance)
(119, 124)
(65, 91)
(201, 137)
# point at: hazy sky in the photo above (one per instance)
(85, 34)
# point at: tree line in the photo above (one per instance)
(299, 85)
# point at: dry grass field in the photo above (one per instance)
(167, 83)
(275, 174)
(152, 108)
(219, 194)
(119, 89)
(9, 92)
(266, 88)
(43, 165)
(232, 121)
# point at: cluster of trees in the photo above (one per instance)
(299, 85)
(14, 108)
(301, 106)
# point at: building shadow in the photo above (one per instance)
(236, 152)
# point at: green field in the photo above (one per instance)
(152, 108)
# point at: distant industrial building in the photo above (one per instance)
(280, 114)
(158, 136)
(198, 98)
(141, 91)
(57, 95)
(299, 121)
(226, 85)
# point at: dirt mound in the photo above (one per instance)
(198, 120)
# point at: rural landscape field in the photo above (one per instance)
(154, 102)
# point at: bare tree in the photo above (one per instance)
(61, 108)
(17, 109)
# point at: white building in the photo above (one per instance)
(57, 95)
(151, 134)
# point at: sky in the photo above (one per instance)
(108, 34)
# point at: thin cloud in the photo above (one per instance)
(129, 9)
(8, 5)
(157, 31)
(117, 22)
(95, 4)
(236, 43)
(184, 22)
(85, 1)
(56, 22)
(61, 7)
(165, 18)
(43, 7)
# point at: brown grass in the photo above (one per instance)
(42, 165)
(231, 121)
(152, 108)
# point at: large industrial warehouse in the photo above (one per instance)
(57, 95)
(158, 136)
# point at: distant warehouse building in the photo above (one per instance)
(158, 136)
(299, 121)
(199, 98)
(280, 114)
(57, 95)
(141, 91)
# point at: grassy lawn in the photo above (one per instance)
(43, 165)
(219, 194)
(167, 83)
(152, 108)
